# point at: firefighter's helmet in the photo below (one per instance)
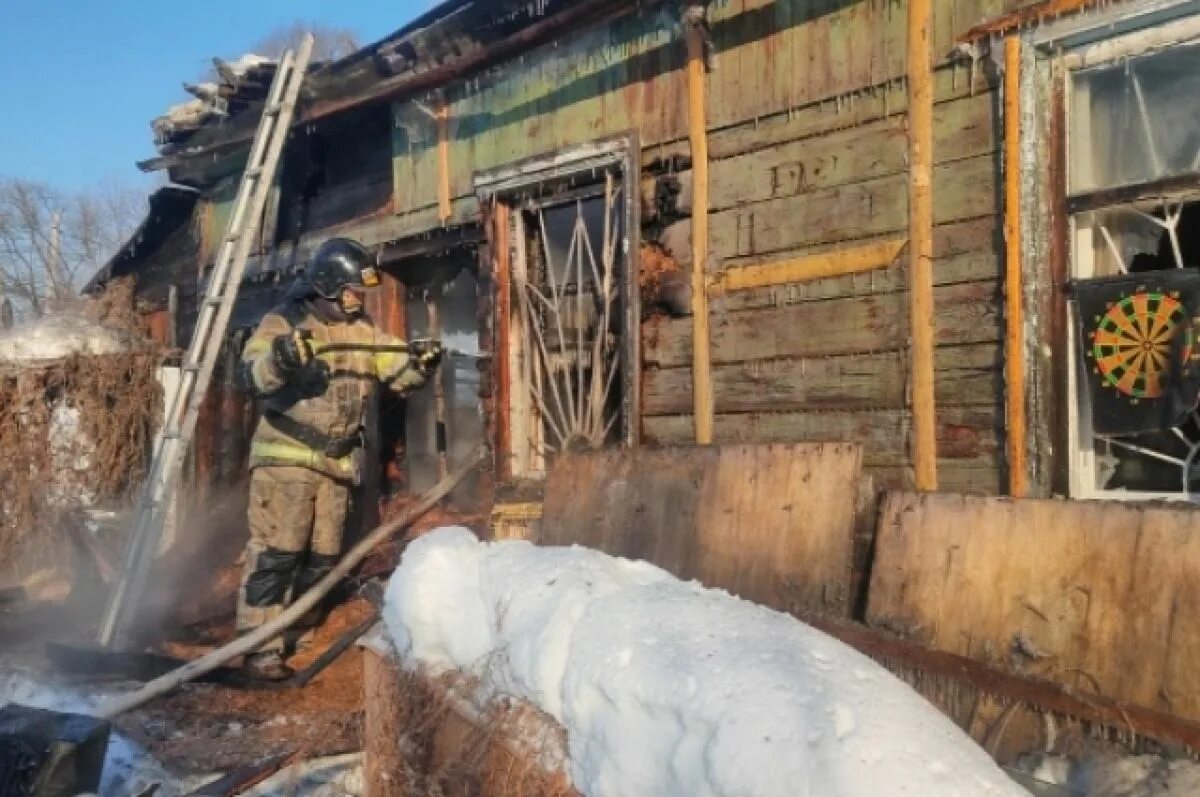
(340, 263)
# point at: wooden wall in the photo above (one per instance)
(1098, 595)
(808, 152)
(769, 523)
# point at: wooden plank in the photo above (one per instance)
(824, 116)
(963, 129)
(1096, 595)
(850, 260)
(1014, 315)
(969, 314)
(920, 236)
(770, 523)
(968, 434)
(1084, 704)
(962, 476)
(698, 136)
(502, 362)
(385, 727)
(965, 376)
(963, 252)
(443, 151)
(981, 269)
(965, 190)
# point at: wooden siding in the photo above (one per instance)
(807, 138)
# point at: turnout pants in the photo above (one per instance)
(297, 517)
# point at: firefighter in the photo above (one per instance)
(312, 363)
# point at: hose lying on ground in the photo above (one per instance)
(256, 638)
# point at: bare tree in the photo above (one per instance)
(329, 43)
(51, 241)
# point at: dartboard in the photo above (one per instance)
(1131, 342)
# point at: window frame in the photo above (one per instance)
(1065, 50)
(505, 189)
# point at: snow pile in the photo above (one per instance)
(55, 337)
(243, 65)
(70, 454)
(667, 688)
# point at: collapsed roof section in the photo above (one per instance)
(239, 84)
(453, 40)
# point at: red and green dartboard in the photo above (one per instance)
(1131, 342)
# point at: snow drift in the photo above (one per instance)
(668, 688)
(53, 337)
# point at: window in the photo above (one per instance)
(570, 334)
(1134, 205)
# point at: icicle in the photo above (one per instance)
(972, 70)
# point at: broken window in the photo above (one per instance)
(1134, 150)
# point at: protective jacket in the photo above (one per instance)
(313, 417)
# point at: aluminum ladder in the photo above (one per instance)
(182, 407)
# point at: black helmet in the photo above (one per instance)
(340, 263)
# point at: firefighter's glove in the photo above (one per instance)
(292, 352)
(427, 354)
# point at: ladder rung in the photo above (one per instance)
(233, 236)
(255, 171)
(192, 368)
(273, 110)
(213, 301)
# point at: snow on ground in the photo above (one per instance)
(1105, 774)
(53, 337)
(336, 776)
(668, 688)
(128, 769)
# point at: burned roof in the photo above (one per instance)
(453, 40)
(170, 207)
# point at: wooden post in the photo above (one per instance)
(443, 127)
(383, 726)
(920, 234)
(702, 394)
(432, 294)
(502, 371)
(1014, 315)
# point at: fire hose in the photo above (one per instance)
(256, 638)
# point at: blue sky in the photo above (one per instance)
(80, 80)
